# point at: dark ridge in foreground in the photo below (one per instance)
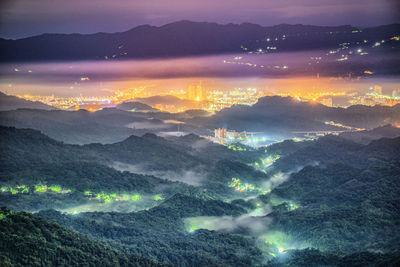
(26, 240)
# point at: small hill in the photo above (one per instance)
(365, 137)
(9, 102)
(133, 106)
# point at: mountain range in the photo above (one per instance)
(185, 38)
(9, 102)
(277, 117)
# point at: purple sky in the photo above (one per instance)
(21, 18)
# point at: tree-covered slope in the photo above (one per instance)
(347, 203)
(26, 240)
(160, 233)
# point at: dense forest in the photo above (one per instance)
(332, 201)
(27, 240)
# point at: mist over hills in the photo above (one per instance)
(95, 167)
(8, 102)
(183, 38)
(278, 117)
(349, 186)
(140, 164)
(283, 115)
(109, 180)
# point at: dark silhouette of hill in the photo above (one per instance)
(281, 116)
(182, 38)
(159, 233)
(365, 137)
(276, 116)
(27, 240)
(108, 125)
(8, 102)
(134, 106)
(168, 100)
(347, 201)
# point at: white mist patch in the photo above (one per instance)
(194, 177)
(145, 202)
(147, 125)
(254, 221)
(276, 180)
(282, 241)
(280, 177)
(201, 144)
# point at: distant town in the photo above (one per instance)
(213, 99)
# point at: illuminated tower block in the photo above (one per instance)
(220, 133)
(377, 89)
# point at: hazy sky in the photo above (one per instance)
(20, 18)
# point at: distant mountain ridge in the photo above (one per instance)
(9, 102)
(182, 38)
(281, 116)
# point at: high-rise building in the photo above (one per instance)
(220, 133)
(367, 101)
(396, 93)
(377, 89)
(196, 92)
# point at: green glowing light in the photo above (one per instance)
(41, 188)
(290, 205)
(245, 187)
(4, 189)
(13, 191)
(107, 198)
(279, 239)
(264, 163)
(55, 188)
(135, 197)
(23, 188)
(158, 197)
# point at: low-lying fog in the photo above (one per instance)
(270, 72)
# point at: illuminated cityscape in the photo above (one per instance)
(214, 100)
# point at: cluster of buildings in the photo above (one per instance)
(376, 97)
(225, 137)
(198, 97)
(373, 97)
(239, 96)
